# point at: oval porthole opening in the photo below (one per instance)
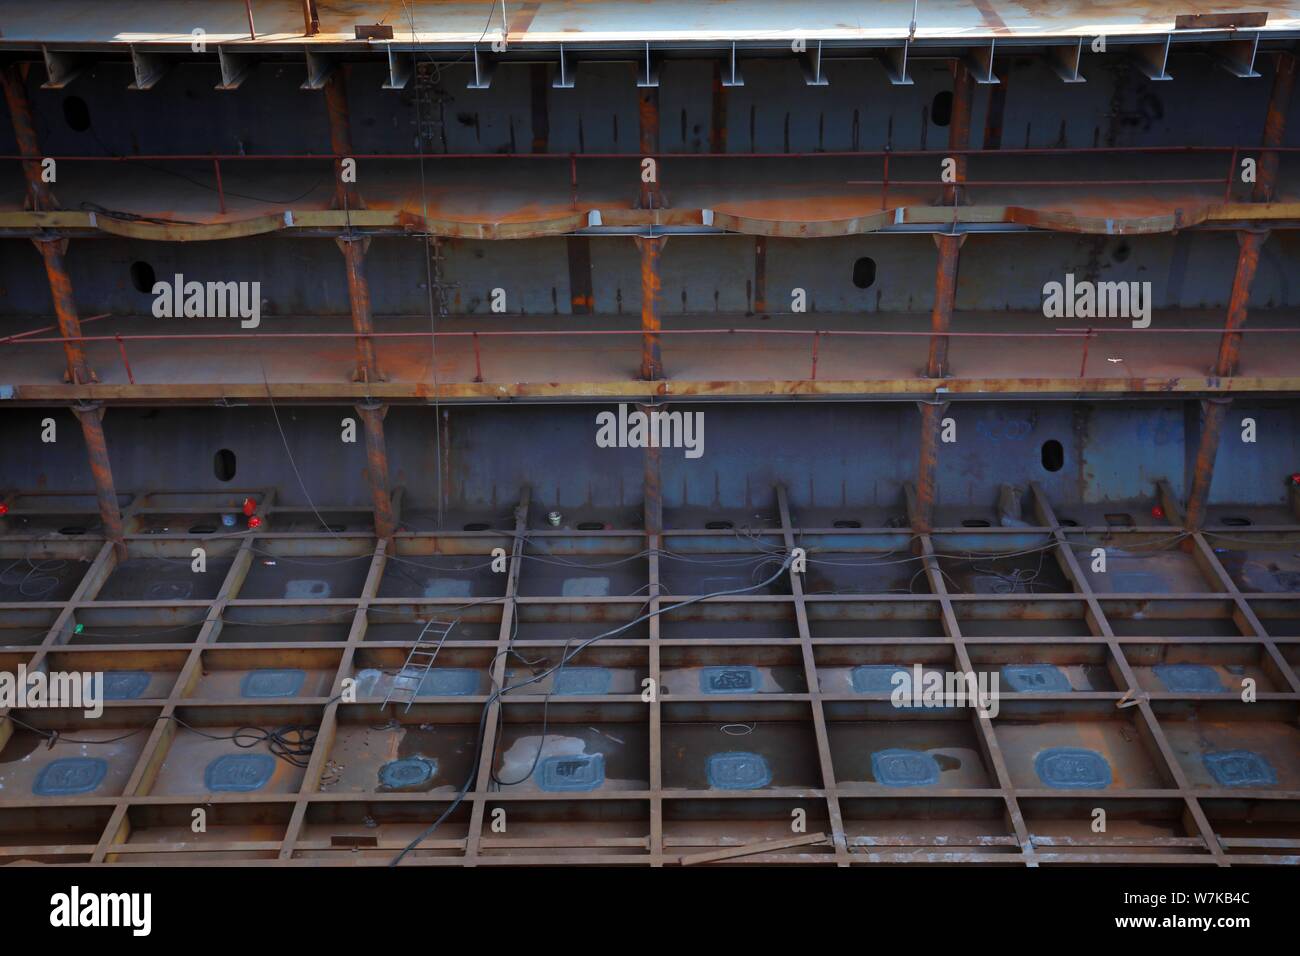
(477, 526)
(72, 529)
(941, 108)
(864, 272)
(1236, 521)
(223, 465)
(203, 529)
(1069, 523)
(76, 114)
(1052, 455)
(143, 277)
(976, 523)
(591, 526)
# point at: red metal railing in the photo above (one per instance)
(1084, 335)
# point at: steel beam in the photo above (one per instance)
(346, 195)
(354, 255)
(945, 295)
(1247, 263)
(963, 92)
(91, 417)
(13, 77)
(1279, 102)
(650, 247)
(372, 418)
(1213, 412)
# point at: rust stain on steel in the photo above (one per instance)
(346, 195)
(1247, 263)
(354, 255)
(760, 274)
(372, 418)
(648, 124)
(945, 294)
(651, 284)
(963, 91)
(101, 469)
(1279, 102)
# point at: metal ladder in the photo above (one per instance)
(421, 657)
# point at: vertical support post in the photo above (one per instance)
(963, 91)
(310, 19)
(654, 505)
(12, 77)
(1213, 412)
(945, 294)
(1247, 262)
(354, 255)
(652, 368)
(648, 122)
(372, 418)
(91, 417)
(346, 195)
(927, 467)
(65, 309)
(1279, 101)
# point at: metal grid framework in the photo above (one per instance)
(1162, 811)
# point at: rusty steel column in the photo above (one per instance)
(310, 19)
(648, 122)
(654, 505)
(1247, 262)
(12, 77)
(1213, 413)
(963, 92)
(1279, 101)
(372, 419)
(65, 309)
(346, 195)
(91, 418)
(928, 465)
(652, 368)
(354, 255)
(760, 275)
(945, 294)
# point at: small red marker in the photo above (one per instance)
(1157, 512)
(249, 506)
(1295, 480)
(255, 522)
(4, 508)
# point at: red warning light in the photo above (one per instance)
(255, 522)
(4, 508)
(1295, 480)
(249, 506)
(1157, 512)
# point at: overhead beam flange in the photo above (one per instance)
(149, 68)
(980, 62)
(734, 79)
(895, 63)
(319, 68)
(484, 68)
(811, 64)
(1152, 58)
(1066, 60)
(1238, 56)
(235, 68)
(61, 68)
(400, 67)
(648, 74)
(564, 78)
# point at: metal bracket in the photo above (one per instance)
(149, 68)
(1152, 58)
(1065, 60)
(319, 68)
(484, 67)
(649, 76)
(895, 64)
(564, 81)
(61, 68)
(735, 79)
(811, 63)
(1238, 56)
(400, 67)
(980, 63)
(234, 68)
